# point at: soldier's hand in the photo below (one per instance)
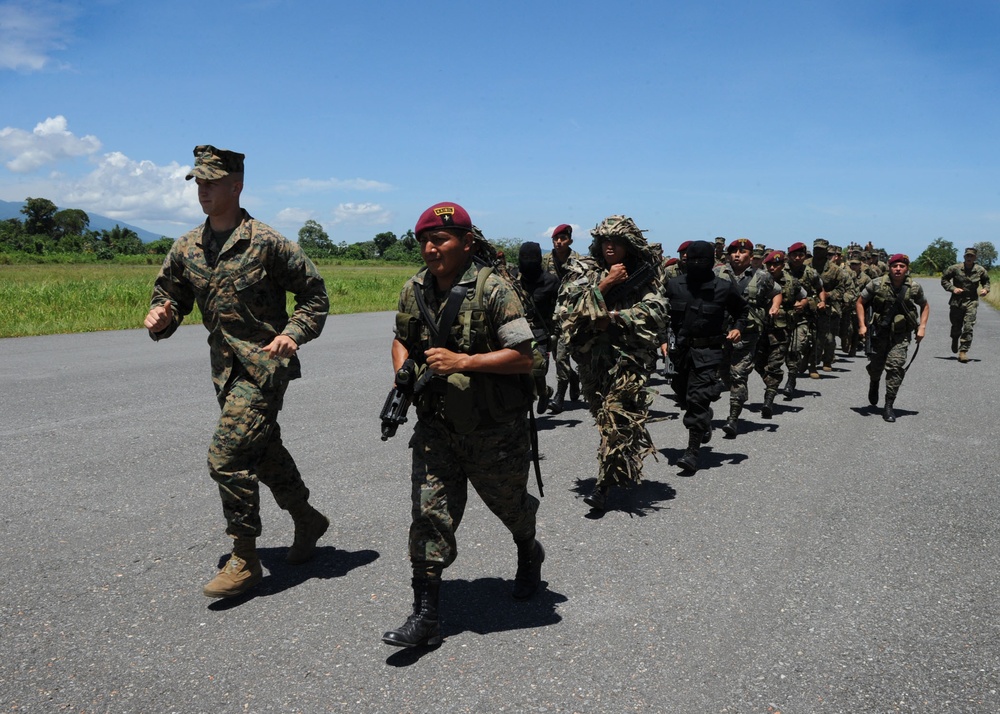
(443, 361)
(920, 333)
(616, 274)
(958, 291)
(159, 318)
(862, 330)
(733, 336)
(984, 292)
(281, 346)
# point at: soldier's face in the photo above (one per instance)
(797, 259)
(219, 197)
(739, 258)
(775, 267)
(561, 242)
(445, 253)
(613, 251)
(899, 270)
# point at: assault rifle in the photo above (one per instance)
(642, 277)
(669, 370)
(397, 403)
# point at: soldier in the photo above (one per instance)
(757, 259)
(801, 355)
(700, 303)
(466, 330)
(849, 326)
(763, 300)
(677, 268)
(541, 288)
(239, 270)
(773, 343)
(894, 299)
(555, 262)
(967, 282)
(720, 250)
(834, 279)
(613, 311)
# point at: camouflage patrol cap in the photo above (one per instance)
(719, 240)
(836, 250)
(759, 250)
(855, 261)
(821, 244)
(211, 163)
(971, 251)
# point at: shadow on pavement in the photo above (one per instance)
(484, 606)
(640, 500)
(327, 563)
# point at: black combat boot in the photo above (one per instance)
(789, 387)
(598, 497)
(767, 411)
(543, 399)
(556, 405)
(731, 426)
(422, 627)
(310, 525)
(530, 556)
(574, 386)
(887, 413)
(873, 392)
(689, 461)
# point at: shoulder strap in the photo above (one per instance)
(440, 329)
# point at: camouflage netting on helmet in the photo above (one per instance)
(624, 229)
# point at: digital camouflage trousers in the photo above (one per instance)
(963, 319)
(889, 356)
(247, 451)
(443, 464)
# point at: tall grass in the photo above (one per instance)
(59, 298)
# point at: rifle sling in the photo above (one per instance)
(441, 329)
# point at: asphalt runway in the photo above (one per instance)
(823, 561)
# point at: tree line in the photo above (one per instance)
(942, 253)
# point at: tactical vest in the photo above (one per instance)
(887, 314)
(466, 401)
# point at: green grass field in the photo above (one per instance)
(59, 298)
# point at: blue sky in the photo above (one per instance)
(777, 121)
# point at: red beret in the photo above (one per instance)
(443, 215)
(683, 246)
(796, 246)
(672, 261)
(899, 258)
(563, 228)
(740, 244)
(774, 256)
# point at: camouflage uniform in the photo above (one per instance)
(242, 300)
(773, 344)
(758, 289)
(615, 363)
(893, 328)
(550, 264)
(963, 307)
(834, 279)
(801, 354)
(461, 435)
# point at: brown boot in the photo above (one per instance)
(240, 573)
(310, 525)
(963, 356)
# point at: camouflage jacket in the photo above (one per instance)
(894, 312)
(243, 299)
(810, 281)
(971, 281)
(551, 265)
(835, 281)
(634, 333)
(757, 287)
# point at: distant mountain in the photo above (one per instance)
(9, 209)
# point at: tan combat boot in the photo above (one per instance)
(963, 356)
(240, 573)
(310, 525)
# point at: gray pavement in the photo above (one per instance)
(824, 561)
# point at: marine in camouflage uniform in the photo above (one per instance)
(613, 311)
(849, 325)
(896, 301)
(556, 262)
(763, 300)
(967, 282)
(801, 355)
(472, 425)
(773, 343)
(238, 271)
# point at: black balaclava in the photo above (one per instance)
(529, 260)
(700, 260)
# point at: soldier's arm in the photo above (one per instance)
(296, 273)
(173, 298)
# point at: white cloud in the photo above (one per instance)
(366, 213)
(31, 31)
(132, 190)
(308, 185)
(48, 143)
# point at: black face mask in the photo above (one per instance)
(699, 270)
(531, 271)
